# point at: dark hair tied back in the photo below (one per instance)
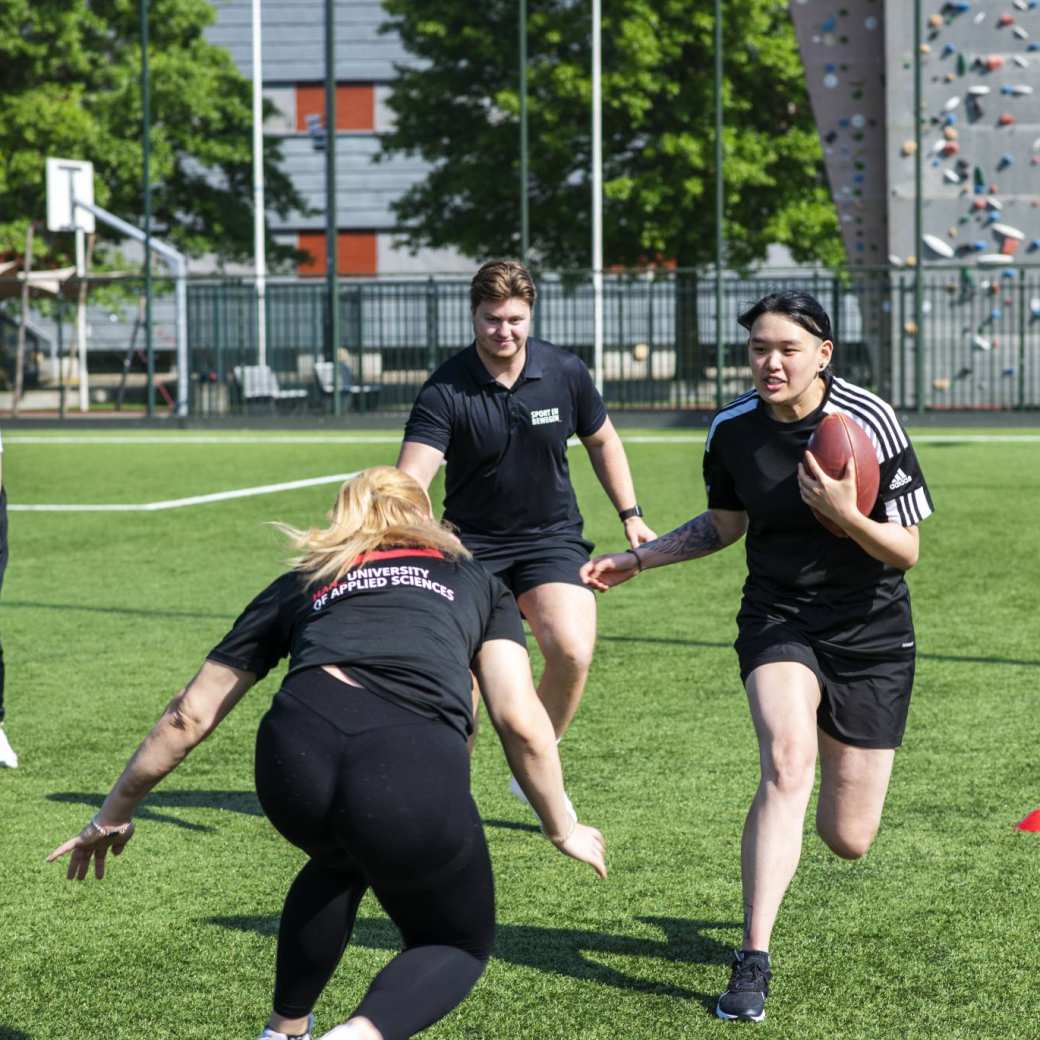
(800, 307)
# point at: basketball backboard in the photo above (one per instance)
(68, 179)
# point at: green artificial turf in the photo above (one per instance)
(105, 615)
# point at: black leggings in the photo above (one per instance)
(378, 797)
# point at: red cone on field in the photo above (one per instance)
(1031, 822)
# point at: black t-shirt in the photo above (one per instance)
(796, 568)
(406, 625)
(506, 448)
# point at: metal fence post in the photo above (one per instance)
(1021, 366)
(62, 365)
(836, 302)
(432, 329)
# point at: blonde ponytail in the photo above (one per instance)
(380, 508)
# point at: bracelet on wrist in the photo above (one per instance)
(627, 514)
(639, 560)
(563, 841)
(100, 830)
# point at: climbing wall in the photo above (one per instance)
(980, 64)
(981, 183)
(843, 50)
(842, 47)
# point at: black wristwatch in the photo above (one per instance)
(627, 514)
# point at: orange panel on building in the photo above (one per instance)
(356, 252)
(355, 105)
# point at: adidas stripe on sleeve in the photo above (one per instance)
(902, 490)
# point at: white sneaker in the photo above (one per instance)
(7, 756)
(273, 1034)
(344, 1031)
(518, 793)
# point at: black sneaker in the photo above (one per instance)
(745, 997)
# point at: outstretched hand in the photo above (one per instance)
(604, 572)
(586, 845)
(93, 842)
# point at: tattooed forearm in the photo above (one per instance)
(697, 537)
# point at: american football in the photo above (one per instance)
(837, 439)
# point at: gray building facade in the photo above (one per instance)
(293, 70)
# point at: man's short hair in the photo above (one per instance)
(502, 280)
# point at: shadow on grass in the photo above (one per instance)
(956, 658)
(568, 952)
(230, 801)
(13, 1034)
(126, 611)
(513, 825)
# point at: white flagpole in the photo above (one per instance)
(597, 200)
(259, 252)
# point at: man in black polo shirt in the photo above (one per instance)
(501, 412)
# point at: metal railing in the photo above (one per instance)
(980, 344)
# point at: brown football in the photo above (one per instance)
(834, 441)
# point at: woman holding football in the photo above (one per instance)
(361, 760)
(825, 637)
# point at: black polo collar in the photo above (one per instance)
(534, 364)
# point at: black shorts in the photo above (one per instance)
(864, 693)
(527, 563)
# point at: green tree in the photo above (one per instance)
(458, 108)
(70, 87)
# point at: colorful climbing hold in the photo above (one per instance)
(909, 148)
(1009, 232)
(1006, 119)
(938, 246)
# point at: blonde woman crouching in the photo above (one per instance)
(361, 760)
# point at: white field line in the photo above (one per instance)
(177, 440)
(178, 503)
(694, 437)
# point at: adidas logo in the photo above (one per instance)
(899, 480)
